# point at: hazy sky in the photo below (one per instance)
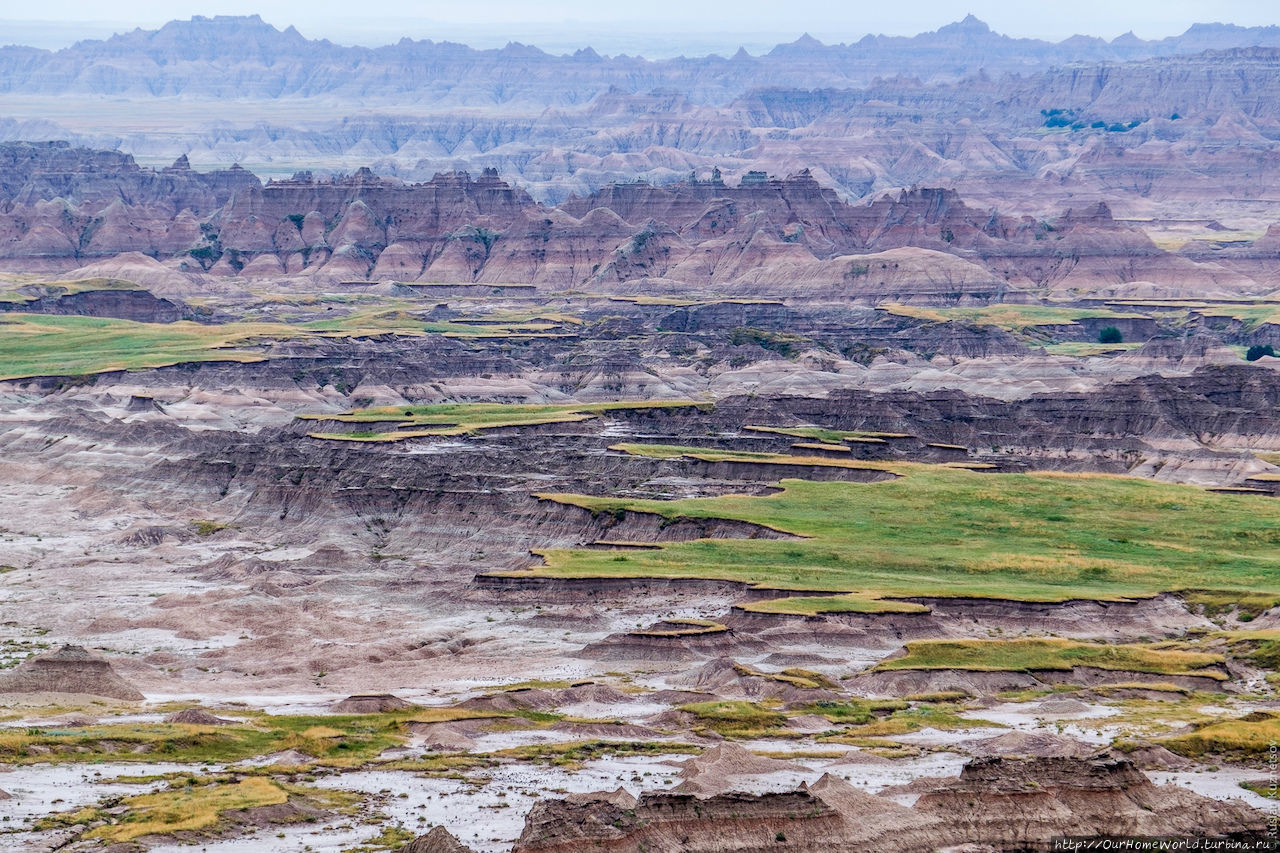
(654, 27)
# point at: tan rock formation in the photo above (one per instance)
(370, 703)
(438, 840)
(70, 669)
(1000, 803)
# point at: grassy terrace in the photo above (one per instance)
(1052, 654)
(51, 345)
(678, 302)
(812, 605)
(683, 628)
(1084, 349)
(704, 454)
(37, 289)
(195, 806)
(327, 739)
(447, 419)
(1251, 315)
(946, 532)
(45, 345)
(829, 436)
(1011, 318)
(1246, 739)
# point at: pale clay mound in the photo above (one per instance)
(1031, 744)
(370, 703)
(714, 771)
(438, 840)
(72, 670)
(196, 717)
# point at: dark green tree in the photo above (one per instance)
(1257, 351)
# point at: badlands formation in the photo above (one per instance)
(854, 447)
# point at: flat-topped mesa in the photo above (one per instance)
(70, 669)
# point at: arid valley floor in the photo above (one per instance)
(819, 459)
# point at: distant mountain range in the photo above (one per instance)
(245, 57)
(1187, 125)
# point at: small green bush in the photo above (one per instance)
(1110, 335)
(1257, 351)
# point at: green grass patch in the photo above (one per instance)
(812, 605)
(1052, 654)
(938, 531)
(1011, 318)
(1084, 349)
(48, 345)
(1261, 648)
(204, 527)
(683, 628)
(35, 290)
(332, 740)
(391, 838)
(676, 301)
(576, 752)
(192, 805)
(1152, 686)
(829, 436)
(943, 717)
(1246, 605)
(802, 678)
(538, 684)
(1261, 787)
(938, 696)
(704, 454)
(735, 719)
(450, 419)
(1252, 316)
(1247, 738)
(853, 711)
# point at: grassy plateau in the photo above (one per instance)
(947, 532)
(1052, 654)
(448, 419)
(56, 345)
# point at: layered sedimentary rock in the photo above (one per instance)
(786, 237)
(1000, 803)
(1182, 126)
(370, 703)
(70, 669)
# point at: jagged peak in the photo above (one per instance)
(970, 25)
(805, 42)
